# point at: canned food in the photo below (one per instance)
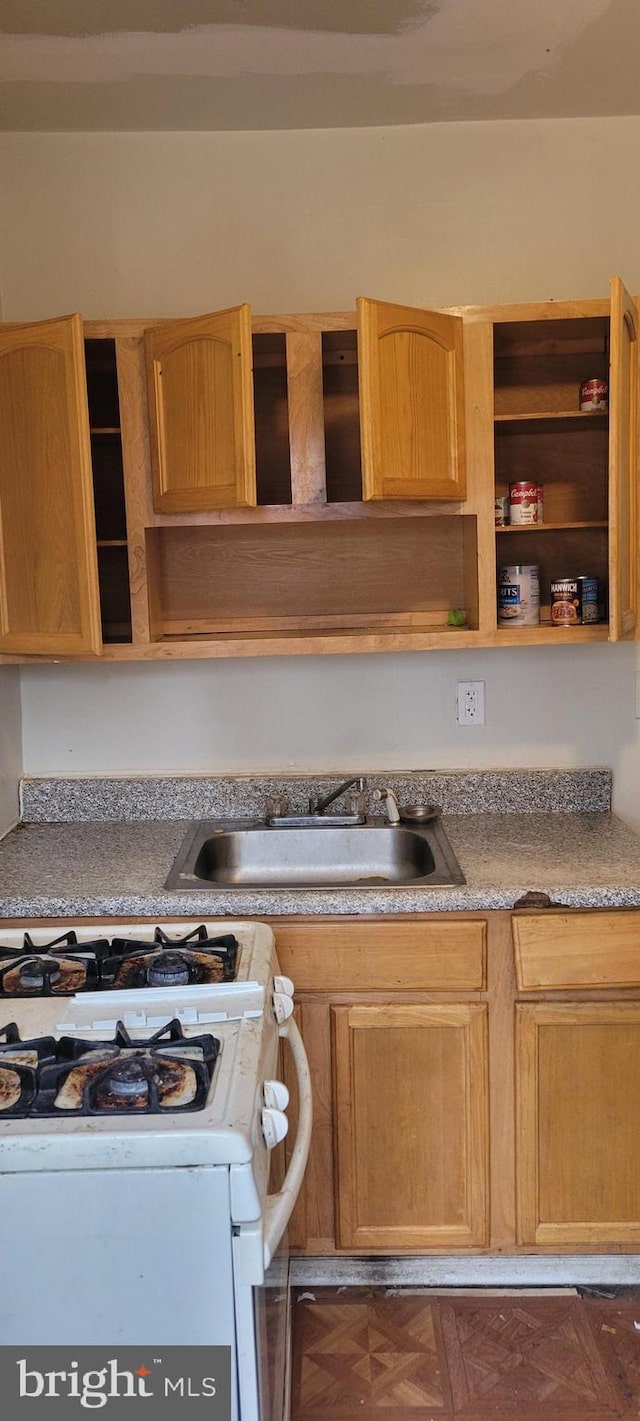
(501, 512)
(523, 502)
(519, 595)
(574, 601)
(588, 588)
(594, 395)
(540, 503)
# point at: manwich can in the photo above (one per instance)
(519, 595)
(574, 601)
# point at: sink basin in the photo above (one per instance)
(250, 854)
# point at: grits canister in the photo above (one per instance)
(519, 595)
(523, 502)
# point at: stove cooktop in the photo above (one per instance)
(168, 1073)
(65, 966)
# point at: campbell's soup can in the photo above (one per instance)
(523, 502)
(574, 601)
(519, 595)
(594, 395)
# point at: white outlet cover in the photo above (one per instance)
(470, 703)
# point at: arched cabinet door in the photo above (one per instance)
(411, 402)
(49, 596)
(200, 384)
(623, 462)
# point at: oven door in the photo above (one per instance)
(263, 1314)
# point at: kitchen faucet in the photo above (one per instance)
(318, 806)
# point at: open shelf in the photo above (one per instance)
(108, 489)
(599, 418)
(379, 575)
(542, 436)
(512, 528)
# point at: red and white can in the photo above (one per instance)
(523, 502)
(594, 395)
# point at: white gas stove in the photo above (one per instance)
(139, 1103)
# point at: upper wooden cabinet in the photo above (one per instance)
(411, 402)
(201, 412)
(291, 484)
(623, 462)
(49, 598)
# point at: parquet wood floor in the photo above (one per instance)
(360, 1352)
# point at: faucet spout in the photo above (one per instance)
(318, 806)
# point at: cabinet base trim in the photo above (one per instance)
(570, 1270)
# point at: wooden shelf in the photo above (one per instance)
(598, 417)
(112, 542)
(547, 527)
(546, 633)
(105, 429)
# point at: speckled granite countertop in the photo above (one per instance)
(117, 867)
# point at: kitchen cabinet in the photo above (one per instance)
(475, 1081)
(578, 1145)
(201, 412)
(274, 485)
(586, 461)
(412, 1131)
(49, 598)
(577, 1078)
(396, 1036)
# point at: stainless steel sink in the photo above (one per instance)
(247, 853)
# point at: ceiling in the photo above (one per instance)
(274, 64)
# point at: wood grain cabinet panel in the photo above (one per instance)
(577, 1137)
(411, 402)
(201, 411)
(564, 951)
(623, 463)
(49, 598)
(384, 956)
(411, 1126)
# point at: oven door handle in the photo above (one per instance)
(279, 1207)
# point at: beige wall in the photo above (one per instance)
(10, 746)
(443, 214)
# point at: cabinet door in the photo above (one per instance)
(201, 407)
(49, 597)
(623, 461)
(577, 1142)
(411, 402)
(411, 1116)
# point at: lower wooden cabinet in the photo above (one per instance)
(577, 1136)
(410, 1086)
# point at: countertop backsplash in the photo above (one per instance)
(120, 798)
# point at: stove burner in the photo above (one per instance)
(127, 1078)
(166, 1074)
(64, 966)
(168, 969)
(36, 972)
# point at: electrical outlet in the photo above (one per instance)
(470, 702)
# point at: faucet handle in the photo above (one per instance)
(355, 801)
